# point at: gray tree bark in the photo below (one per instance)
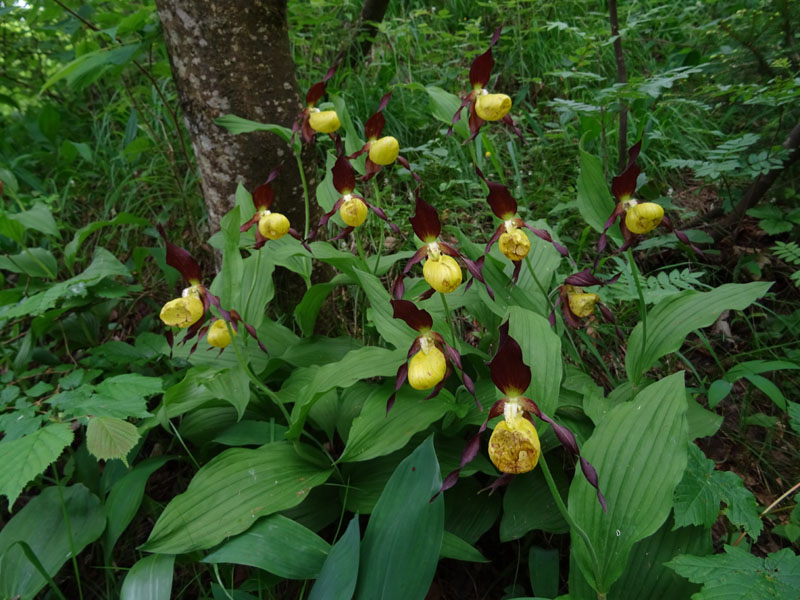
(233, 57)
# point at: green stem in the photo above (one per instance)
(449, 318)
(550, 305)
(307, 205)
(256, 381)
(642, 305)
(377, 191)
(551, 484)
(72, 553)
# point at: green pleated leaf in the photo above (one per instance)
(544, 260)
(454, 547)
(125, 498)
(278, 545)
(237, 125)
(375, 433)
(543, 571)
(646, 576)
(639, 451)
(149, 579)
(394, 331)
(305, 313)
(469, 513)
(108, 438)
(672, 319)
(541, 351)
(401, 545)
(444, 105)
(305, 386)
(42, 527)
(230, 277)
(337, 579)
(528, 505)
(227, 495)
(23, 459)
(738, 575)
(595, 202)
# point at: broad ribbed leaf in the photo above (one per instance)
(41, 525)
(646, 576)
(109, 437)
(337, 580)
(23, 459)
(458, 549)
(676, 316)
(595, 202)
(401, 545)
(639, 451)
(305, 386)
(443, 106)
(228, 494)
(394, 331)
(375, 433)
(149, 579)
(541, 351)
(278, 545)
(124, 500)
(528, 505)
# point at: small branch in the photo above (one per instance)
(622, 77)
(759, 187)
(762, 62)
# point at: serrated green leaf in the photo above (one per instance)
(109, 437)
(401, 544)
(672, 319)
(698, 496)
(42, 526)
(337, 579)
(266, 480)
(639, 451)
(738, 575)
(23, 459)
(278, 545)
(150, 578)
(375, 433)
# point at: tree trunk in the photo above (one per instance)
(233, 57)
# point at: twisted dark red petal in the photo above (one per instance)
(425, 221)
(587, 278)
(481, 68)
(509, 373)
(500, 199)
(315, 92)
(180, 259)
(416, 318)
(344, 177)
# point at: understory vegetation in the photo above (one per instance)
(509, 354)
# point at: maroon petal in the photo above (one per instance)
(418, 256)
(633, 153)
(517, 269)
(509, 373)
(681, 236)
(591, 476)
(308, 133)
(404, 163)
(501, 481)
(399, 380)
(623, 185)
(315, 92)
(457, 116)
(585, 278)
(180, 259)
(609, 318)
(344, 177)
(481, 68)
(570, 318)
(416, 318)
(425, 221)
(325, 218)
(475, 122)
(263, 194)
(510, 122)
(551, 318)
(370, 169)
(542, 234)
(398, 288)
(250, 223)
(455, 358)
(495, 236)
(467, 456)
(374, 126)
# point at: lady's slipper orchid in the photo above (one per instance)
(483, 106)
(381, 150)
(510, 237)
(577, 305)
(313, 120)
(428, 362)
(514, 445)
(352, 207)
(271, 225)
(640, 217)
(188, 312)
(440, 270)
(218, 335)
